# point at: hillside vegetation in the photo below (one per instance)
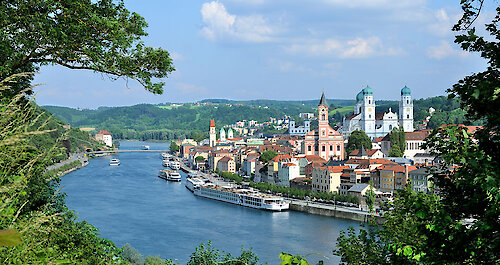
(165, 121)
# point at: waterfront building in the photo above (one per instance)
(287, 172)
(420, 179)
(378, 124)
(325, 141)
(105, 137)
(393, 177)
(227, 164)
(327, 179)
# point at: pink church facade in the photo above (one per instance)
(325, 141)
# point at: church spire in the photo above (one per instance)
(322, 101)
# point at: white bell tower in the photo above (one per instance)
(406, 110)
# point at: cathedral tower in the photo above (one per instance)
(212, 134)
(222, 135)
(368, 112)
(323, 117)
(406, 110)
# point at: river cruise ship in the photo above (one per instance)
(244, 197)
(170, 175)
(175, 165)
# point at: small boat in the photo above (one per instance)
(114, 162)
(170, 175)
(166, 163)
(145, 147)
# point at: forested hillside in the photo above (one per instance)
(166, 121)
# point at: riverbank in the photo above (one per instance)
(74, 162)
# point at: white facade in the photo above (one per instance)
(107, 139)
(301, 130)
(365, 118)
(287, 172)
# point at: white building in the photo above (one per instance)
(365, 118)
(306, 115)
(301, 130)
(287, 172)
(104, 136)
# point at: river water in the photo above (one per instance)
(129, 203)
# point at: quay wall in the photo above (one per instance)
(337, 213)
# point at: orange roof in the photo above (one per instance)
(280, 158)
(369, 161)
(337, 169)
(104, 132)
(315, 158)
(396, 168)
(289, 164)
(212, 123)
(369, 152)
(470, 129)
(225, 159)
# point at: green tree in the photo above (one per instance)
(102, 36)
(358, 139)
(199, 159)
(267, 155)
(174, 147)
(398, 142)
(460, 226)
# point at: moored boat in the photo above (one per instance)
(166, 163)
(175, 165)
(114, 162)
(193, 182)
(170, 175)
(244, 197)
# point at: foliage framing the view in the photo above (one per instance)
(459, 224)
(102, 36)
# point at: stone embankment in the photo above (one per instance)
(334, 211)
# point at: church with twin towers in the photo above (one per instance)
(378, 124)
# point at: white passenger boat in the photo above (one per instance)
(145, 147)
(245, 197)
(114, 162)
(192, 182)
(165, 156)
(193, 174)
(175, 165)
(170, 175)
(166, 163)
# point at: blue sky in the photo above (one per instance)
(284, 50)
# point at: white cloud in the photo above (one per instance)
(444, 50)
(176, 56)
(355, 48)
(220, 24)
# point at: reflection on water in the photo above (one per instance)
(129, 203)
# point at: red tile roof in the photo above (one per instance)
(225, 159)
(212, 123)
(104, 132)
(369, 152)
(396, 168)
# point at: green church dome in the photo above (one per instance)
(359, 96)
(405, 91)
(368, 90)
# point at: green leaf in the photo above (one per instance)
(10, 238)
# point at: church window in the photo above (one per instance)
(408, 116)
(359, 110)
(316, 148)
(369, 101)
(309, 148)
(331, 147)
(407, 101)
(390, 127)
(323, 148)
(338, 147)
(369, 116)
(323, 117)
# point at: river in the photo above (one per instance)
(129, 203)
